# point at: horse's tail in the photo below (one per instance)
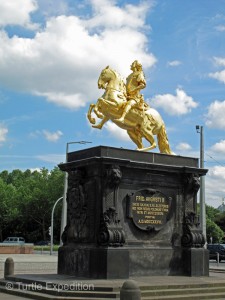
(163, 142)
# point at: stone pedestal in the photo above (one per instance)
(196, 262)
(130, 214)
(95, 262)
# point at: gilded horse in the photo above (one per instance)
(140, 122)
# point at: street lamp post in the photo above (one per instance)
(200, 130)
(64, 206)
(52, 224)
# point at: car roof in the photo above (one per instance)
(14, 237)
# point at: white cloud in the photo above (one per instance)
(220, 75)
(179, 104)
(117, 132)
(215, 116)
(174, 63)
(73, 101)
(35, 134)
(183, 146)
(134, 15)
(51, 158)
(3, 133)
(220, 61)
(63, 61)
(218, 172)
(220, 28)
(35, 169)
(52, 136)
(53, 7)
(14, 12)
(215, 188)
(219, 147)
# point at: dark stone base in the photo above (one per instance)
(73, 261)
(109, 263)
(131, 213)
(94, 263)
(155, 261)
(119, 263)
(196, 262)
(112, 263)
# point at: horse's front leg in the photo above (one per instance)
(91, 120)
(98, 114)
(96, 110)
(100, 125)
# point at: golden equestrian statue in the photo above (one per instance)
(125, 106)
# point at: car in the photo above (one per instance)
(14, 240)
(42, 243)
(216, 248)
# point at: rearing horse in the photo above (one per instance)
(140, 122)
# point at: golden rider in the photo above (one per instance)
(135, 82)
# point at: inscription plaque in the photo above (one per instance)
(149, 209)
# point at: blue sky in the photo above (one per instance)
(51, 55)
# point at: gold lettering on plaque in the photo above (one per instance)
(150, 210)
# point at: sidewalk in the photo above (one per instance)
(42, 269)
(4, 296)
(30, 263)
(46, 263)
(216, 267)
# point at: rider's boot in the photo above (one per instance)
(126, 109)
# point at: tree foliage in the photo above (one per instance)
(214, 230)
(212, 212)
(220, 220)
(26, 201)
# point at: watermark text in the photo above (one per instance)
(50, 286)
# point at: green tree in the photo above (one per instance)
(212, 212)
(26, 201)
(44, 189)
(8, 209)
(213, 231)
(220, 220)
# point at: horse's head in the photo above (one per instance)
(105, 77)
(109, 78)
